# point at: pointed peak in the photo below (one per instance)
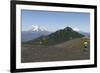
(68, 28)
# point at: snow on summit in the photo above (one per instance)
(38, 28)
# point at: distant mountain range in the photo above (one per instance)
(33, 33)
(30, 35)
(87, 34)
(38, 31)
(57, 37)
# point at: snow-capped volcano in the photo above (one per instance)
(38, 28)
(34, 32)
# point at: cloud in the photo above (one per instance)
(76, 29)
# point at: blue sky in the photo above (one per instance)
(53, 21)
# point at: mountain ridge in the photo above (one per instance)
(59, 36)
(30, 35)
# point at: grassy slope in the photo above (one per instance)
(75, 43)
(71, 50)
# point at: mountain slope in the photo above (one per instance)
(70, 50)
(30, 35)
(76, 43)
(87, 34)
(59, 36)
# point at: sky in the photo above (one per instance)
(53, 21)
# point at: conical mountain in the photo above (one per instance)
(57, 37)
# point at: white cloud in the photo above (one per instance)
(76, 29)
